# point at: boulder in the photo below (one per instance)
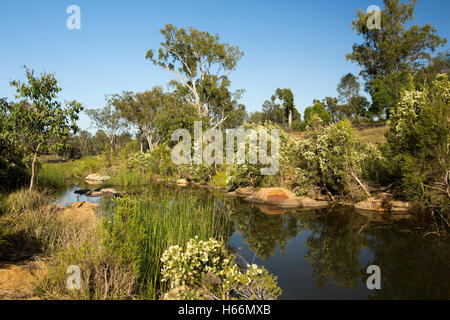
(280, 197)
(93, 182)
(307, 202)
(182, 182)
(271, 195)
(382, 204)
(96, 177)
(111, 191)
(19, 280)
(289, 203)
(244, 191)
(371, 204)
(400, 206)
(98, 192)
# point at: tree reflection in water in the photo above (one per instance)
(411, 266)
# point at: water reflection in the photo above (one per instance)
(335, 246)
(323, 253)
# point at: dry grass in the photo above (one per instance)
(373, 135)
(64, 237)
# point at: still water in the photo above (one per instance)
(323, 254)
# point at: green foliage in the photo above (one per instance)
(355, 105)
(280, 109)
(220, 179)
(201, 65)
(108, 119)
(389, 52)
(330, 155)
(142, 229)
(201, 173)
(57, 176)
(250, 174)
(317, 109)
(418, 142)
(206, 270)
(38, 118)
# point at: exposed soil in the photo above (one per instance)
(18, 280)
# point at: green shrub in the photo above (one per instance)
(141, 229)
(331, 157)
(418, 143)
(250, 174)
(220, 179)
(204, 269)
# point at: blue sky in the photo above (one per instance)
(288, 44)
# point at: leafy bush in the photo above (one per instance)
(205, 270)
(250, 174)
(418, 143)
(331, 157)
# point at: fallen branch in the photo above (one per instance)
(359, 182)
(439, 189)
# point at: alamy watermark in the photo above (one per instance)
(74, 20)
(374, 20)
(374, 281)
(73, 281)
(213, 153)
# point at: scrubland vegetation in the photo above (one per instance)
(346, 148)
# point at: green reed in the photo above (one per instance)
(56, 176)
(141, 229)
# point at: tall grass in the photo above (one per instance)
(141, 230)
(128, 178)
(56, 176)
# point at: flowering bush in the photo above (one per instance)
(331, 156)
(157, 161)
(139, 162)
(205, 270)
(418, 143)
(250, 174)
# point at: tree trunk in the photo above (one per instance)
(33, 166)
(149, 141)
(141, 132)
(290, 120)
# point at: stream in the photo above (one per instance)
(324, 253)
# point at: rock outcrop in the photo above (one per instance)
(244, 191)
(182, 182)
(18, 280)
(306, 202)
(98, 192)
(96, 177)
(382, 204)
(281, 197)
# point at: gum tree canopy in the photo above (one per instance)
(140, 110)
(387, 54)
(38, 121)
(201, 65)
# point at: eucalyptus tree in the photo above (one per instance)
(140, 109)
(354, 105)
(201, 65)
(387, 54)
(287, 101)
(38, 118)
(317, 109)
(333, 108)
(110, 121)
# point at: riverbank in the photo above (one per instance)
(251, 230)
(118, 251)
